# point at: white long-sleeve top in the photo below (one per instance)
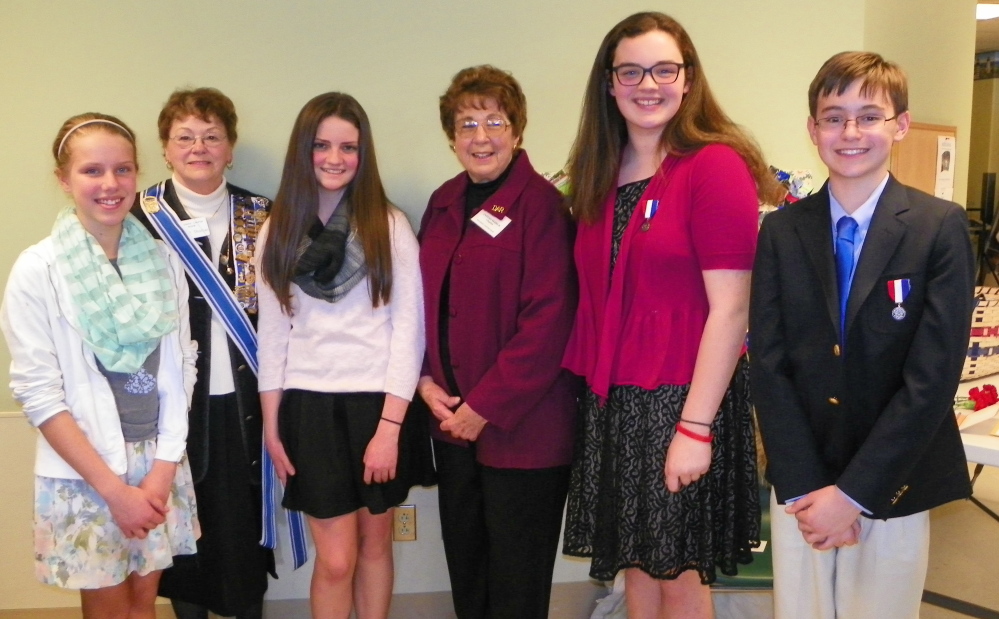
(347, 346)
(217, 211)
(52, 371)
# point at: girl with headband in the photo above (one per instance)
(95, 316)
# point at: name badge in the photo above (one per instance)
(490, 224)
(195, 228)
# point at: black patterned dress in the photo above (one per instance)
(619, 511)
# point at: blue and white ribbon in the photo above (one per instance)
(237, 324)
(898, 290)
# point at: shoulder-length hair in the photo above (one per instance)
(297, 201)
(699, 121)
(202, 103)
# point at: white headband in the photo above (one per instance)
(89, 122)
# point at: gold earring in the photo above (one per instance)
(228, 166)
(168, 165)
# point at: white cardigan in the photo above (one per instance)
(51, 369)
(347, 346)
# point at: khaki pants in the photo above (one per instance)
(882, 577)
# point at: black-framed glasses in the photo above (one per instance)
(492, 126)
(633, 74)
(864, 122)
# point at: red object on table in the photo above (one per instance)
(985, 396)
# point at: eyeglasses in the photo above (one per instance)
(492, 126)
(633, 74)
(187, 142)
(864, 122)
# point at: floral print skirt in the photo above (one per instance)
(619, 512)
(78, 545)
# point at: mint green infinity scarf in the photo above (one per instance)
(122, 318)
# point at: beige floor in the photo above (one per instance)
(963, 552)
(964, 548)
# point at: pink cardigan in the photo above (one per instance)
(643, 325)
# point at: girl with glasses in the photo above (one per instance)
(665, 188)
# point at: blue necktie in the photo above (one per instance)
(846, 229)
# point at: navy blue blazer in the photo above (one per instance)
(876, 417)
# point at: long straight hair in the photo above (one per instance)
(297, 201)
(602, 134)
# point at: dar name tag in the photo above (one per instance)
(196, 227)
(490, 224)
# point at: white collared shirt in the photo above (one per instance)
(862, 216)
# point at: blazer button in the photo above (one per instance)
(255, 463)
(249, 418)
(457, 259)
(834, 401)
(836, 351)
(241, 368)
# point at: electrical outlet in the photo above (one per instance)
(404, 524)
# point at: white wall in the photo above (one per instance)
(124, 57)
(934, 42)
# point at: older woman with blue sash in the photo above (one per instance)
(228, 576)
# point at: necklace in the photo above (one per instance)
(225, 198)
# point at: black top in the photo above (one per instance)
(475, 196)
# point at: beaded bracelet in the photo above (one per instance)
(398, 423)
(703, 438)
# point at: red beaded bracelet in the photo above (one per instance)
(704, 438)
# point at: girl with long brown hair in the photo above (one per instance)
(341, 344)
(665, 188)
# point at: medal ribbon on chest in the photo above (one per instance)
(651, 206)
(898, 290)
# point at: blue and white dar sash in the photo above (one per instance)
(237, 325)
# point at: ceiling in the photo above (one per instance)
(987, 35)
(987, 31)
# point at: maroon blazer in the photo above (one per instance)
(512, 299)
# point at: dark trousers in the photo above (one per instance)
(501, 530)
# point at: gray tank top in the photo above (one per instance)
(136, 396)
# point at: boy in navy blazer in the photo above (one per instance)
(859, 323)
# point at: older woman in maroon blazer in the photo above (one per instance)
(500, 290)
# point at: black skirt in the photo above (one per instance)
(619, 511)
(325, 436)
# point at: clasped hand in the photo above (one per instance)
(826, 518)
(137, 510)
(464, 423)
